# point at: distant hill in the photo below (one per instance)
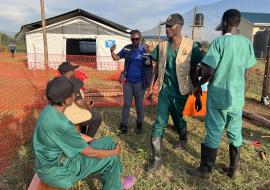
(212, 16)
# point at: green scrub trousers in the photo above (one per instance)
(230, 56)
(169, 105)
(109, 168)
(217, 120)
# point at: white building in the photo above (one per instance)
(75, 36)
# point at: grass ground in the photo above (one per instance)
(171, 176)
(255, 81)
(136, 152)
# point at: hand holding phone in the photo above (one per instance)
(91, 104)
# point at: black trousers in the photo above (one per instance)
(90, 127)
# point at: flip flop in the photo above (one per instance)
(128, 182)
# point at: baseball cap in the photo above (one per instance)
(66, 67)
(227, 15)
(174, 19)
(59, 89)
(77, 83)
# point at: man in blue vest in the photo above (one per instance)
(136, 77)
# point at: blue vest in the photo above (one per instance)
(146, 67)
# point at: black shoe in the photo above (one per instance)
(183, 138)
(156, 147)
(208, 158)
(138, 129)
(234, 152)
(122, 129)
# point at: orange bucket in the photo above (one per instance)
(190, 106)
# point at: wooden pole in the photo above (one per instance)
(257, 118)
(193, 25)
(266, 81)
(44, 33)
(159, 31)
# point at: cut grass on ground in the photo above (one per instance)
(136, 151)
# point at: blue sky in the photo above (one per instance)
(140, 14)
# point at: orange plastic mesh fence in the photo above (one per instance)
(22, 85)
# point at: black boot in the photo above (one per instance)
(208, 158)
(156, 146)
(122, 129)
(138, 128)
(84, 129)
(234, 161)
(183, 138)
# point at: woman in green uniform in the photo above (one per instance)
(63, 155)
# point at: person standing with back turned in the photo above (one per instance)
(225, 67)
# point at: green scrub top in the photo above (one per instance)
(170, 84)
(54, 138)
(230, 56)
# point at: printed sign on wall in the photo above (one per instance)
(109, 43)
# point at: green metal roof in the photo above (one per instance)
(256, 17)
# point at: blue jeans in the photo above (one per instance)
(131, 90)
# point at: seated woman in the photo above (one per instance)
(63, 155)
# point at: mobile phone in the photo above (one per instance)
(91, 104)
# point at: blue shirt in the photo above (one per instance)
(134, 70)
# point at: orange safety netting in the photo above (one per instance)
(22, 93)
(21, 90)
